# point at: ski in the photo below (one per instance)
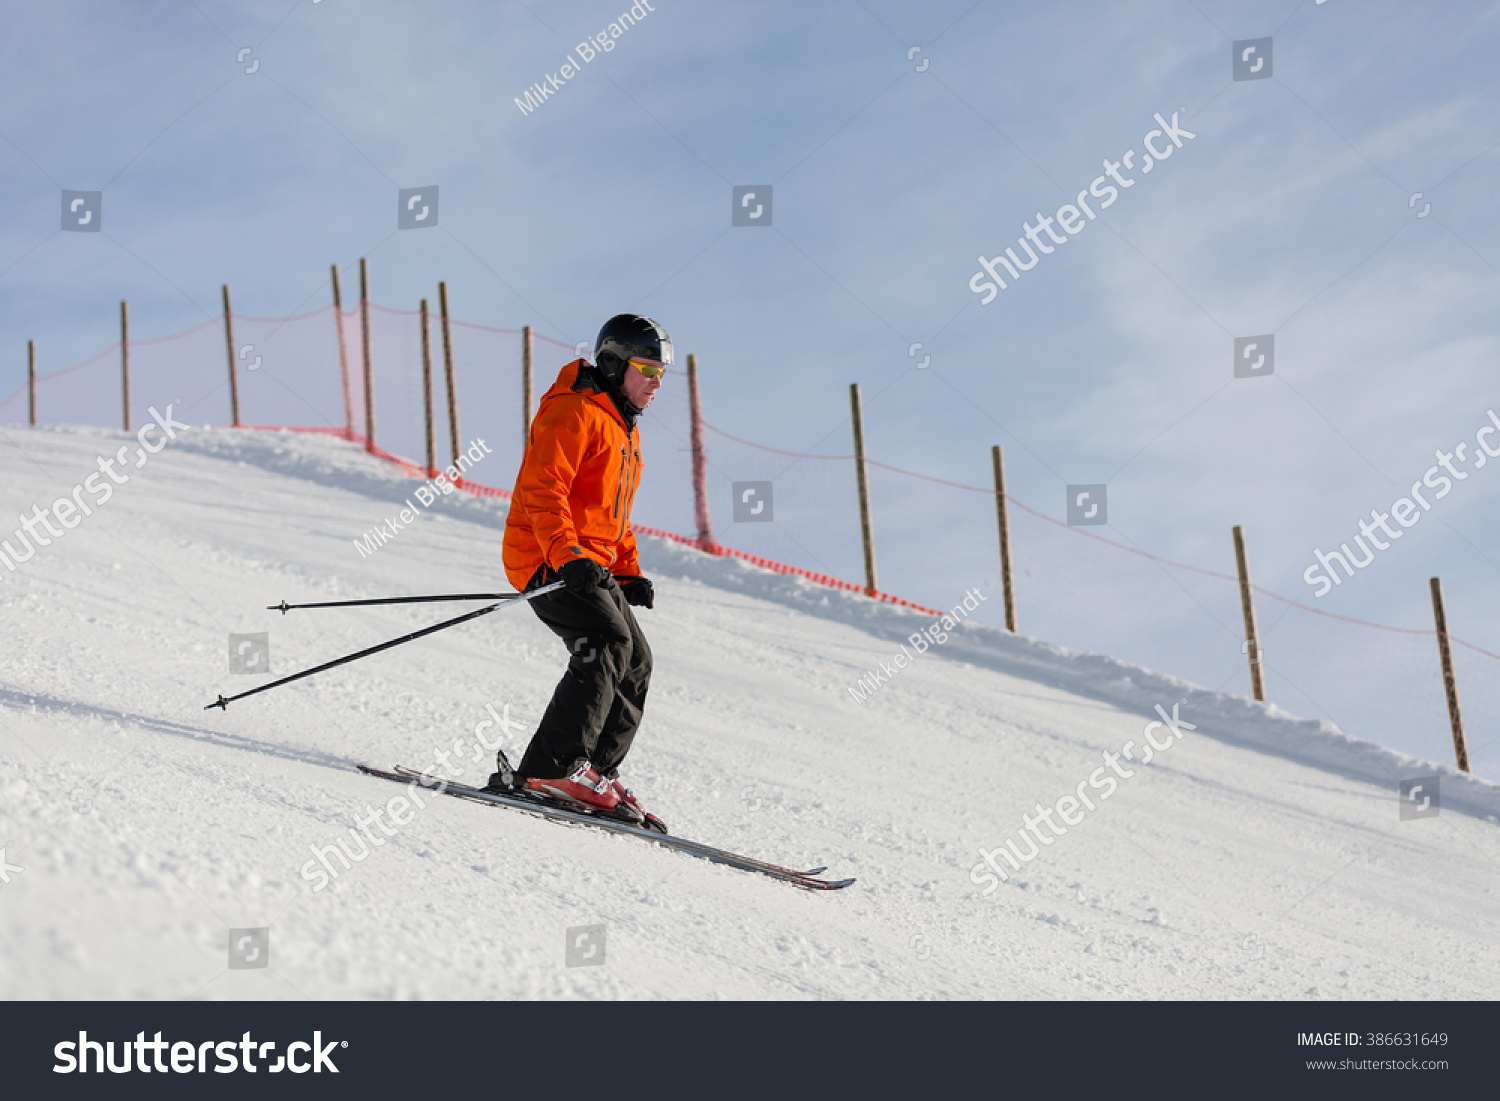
(527, 801)
(426, 779)
(556, 812)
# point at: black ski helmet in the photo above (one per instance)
(626, 335)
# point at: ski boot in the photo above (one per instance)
(585, 789)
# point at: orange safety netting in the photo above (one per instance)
(935, 540)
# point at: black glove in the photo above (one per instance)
(638, 591)
(583, 575)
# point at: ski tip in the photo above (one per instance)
(830, 885)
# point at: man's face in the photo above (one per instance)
(638, 388)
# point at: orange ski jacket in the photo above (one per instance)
(576, 484)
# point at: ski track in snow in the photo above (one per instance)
(1262, 856)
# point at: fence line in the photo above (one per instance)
(1076, 588)
(490, 491)
(1078, 532)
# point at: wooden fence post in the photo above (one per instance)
(1450, 682)
(427, 391)
(125, 358)
(866, 536)
(234, 380)
(364, 341)
(700, 459)
(525, 385)
(31, 377)
(1002, 516)
(1247, 609)
(448, 373)
(338, 320)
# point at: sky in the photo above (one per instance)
(254, 143)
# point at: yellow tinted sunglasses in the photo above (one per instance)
(648, 367)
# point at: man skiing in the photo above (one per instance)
(570, 520)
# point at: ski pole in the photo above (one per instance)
(223, 703)
(284, 607)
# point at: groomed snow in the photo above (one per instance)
(1258, 857)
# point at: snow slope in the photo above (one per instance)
(1258, 857)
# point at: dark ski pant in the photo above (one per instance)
(597, 705)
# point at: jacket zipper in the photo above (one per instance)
(635, 481)
(620, 485)
(625, 479)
